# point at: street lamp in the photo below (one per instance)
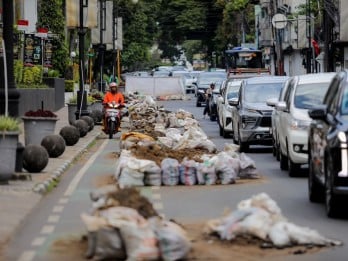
(115, 49)
(309, 51)
(81, 94)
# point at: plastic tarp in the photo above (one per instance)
(155, 86)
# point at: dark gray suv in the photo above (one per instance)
(252, 118)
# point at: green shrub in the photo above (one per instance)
(69, 85)
(8, 123)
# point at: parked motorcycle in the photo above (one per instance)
(112, 118)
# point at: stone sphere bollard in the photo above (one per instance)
(54, 144)
(97, 116)
(82, 127)
(89, 121)
(35, 158)
(70, 134)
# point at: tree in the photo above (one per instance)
(51, 16)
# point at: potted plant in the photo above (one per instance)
(97, 98)
(72, 107)
(9, 132)
(37, 125)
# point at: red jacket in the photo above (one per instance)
(117, 97)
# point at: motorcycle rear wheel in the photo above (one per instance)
(112, 127)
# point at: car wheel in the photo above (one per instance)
(332, 201)
(283, 161)
(198, 104)
(315, 190)
(274, 149)
(243, 146)
(278, 151)
(221, 130)
(225, 133)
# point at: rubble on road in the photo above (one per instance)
(261, 217)
(169, 148)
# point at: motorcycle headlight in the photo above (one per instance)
(296, 124)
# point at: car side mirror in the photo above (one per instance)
(281, 106)
(272, 102)
(318, 113)
(233, 101)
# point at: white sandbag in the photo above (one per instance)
(152, 174)
(246, 161)
(109, 245)
(150, 101)
(174, 243)
(278, 234)
(231, 147)
(119, 216)
(263, 201)
(166, 141)
(188, 172)
(122, 162)
(141, 242)
(224, 167)
(170, 172)
(130, 177)
(206, 173)
(93, 223)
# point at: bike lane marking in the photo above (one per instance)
(49, 229)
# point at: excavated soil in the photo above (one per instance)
(157, 153)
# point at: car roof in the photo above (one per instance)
(315, 77)
(266, 79)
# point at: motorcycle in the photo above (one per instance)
(112, 118)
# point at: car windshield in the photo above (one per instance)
(308, 96)
(261, 92)
(232, 91)
(344, 103)
(212, 78)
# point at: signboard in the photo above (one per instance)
(22, 24)
(32, 49)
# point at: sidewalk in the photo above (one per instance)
(20, 196)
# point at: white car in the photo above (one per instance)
(303, 93)
(275, 119)
(229, 90)
(189, 80)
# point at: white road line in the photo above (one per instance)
(58, 209)
(39, 241)
(27, 256)
(63, 200)
(53, 219)
(155, 187)
(48, 229)
(156, 196)
(73, 184)
(158, 206)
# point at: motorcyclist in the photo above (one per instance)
(112, 96)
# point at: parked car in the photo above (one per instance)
(229, 90)
(203, 83)
(251, 121)
(327, 148)
(275, 119)
(303, 93)
(188, 80)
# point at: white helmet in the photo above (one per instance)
(112, 84)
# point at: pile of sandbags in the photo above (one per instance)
(261, 217)
(222, 168)
(117, 232)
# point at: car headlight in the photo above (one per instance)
(296, 124)
(342, 137)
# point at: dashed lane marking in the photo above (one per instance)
(82, 171)
(63, 200)
(39, 241)
(58, 209)
(27, 256)
(47, 229)
(53, 219)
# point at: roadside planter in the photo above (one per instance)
(9, 132)
(38, 125)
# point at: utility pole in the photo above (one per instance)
(13, 94)
(81, 94)
(309, 51)
(102, 10)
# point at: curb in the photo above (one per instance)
(43, 187)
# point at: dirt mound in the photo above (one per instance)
(158, 153)
(130, 197)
